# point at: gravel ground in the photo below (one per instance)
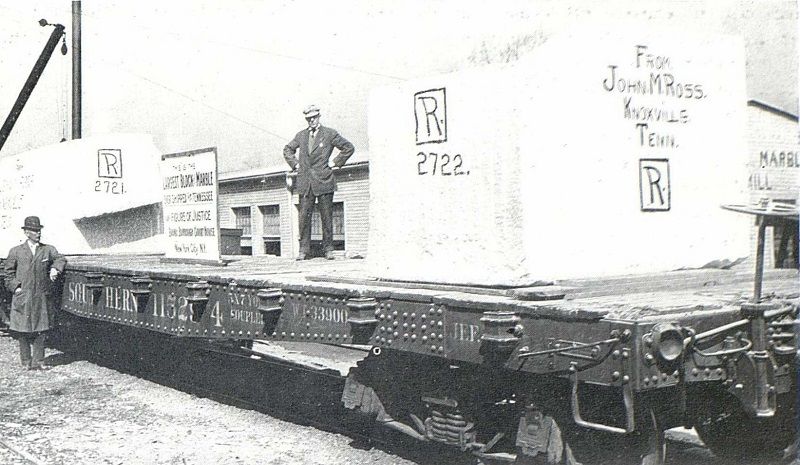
(81, 413)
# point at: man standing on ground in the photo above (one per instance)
(30, 270)
(315, 179)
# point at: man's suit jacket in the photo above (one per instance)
(313, 173)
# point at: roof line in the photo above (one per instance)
(772, 109)
(272, 174)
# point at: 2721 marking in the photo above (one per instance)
(109, 187)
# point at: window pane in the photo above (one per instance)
(242, 215)
(337, 218)
(272, 220)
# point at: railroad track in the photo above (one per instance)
(20, 454)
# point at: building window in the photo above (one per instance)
(337, 219)
(272, 220)
(784, 235)
(272, 229)
(242, 216)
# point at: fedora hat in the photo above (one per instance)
(32, 223)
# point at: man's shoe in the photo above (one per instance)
(39, 366)
(329, 255)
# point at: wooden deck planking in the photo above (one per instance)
(622, 297)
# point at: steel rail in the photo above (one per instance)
(22, 454)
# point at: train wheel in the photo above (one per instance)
(574, 445)
(540, 440)
(732, 434)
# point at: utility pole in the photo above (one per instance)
(76, 69)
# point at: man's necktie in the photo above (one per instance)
(311, 140)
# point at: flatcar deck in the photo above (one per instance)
(621, 297)
(334, 317)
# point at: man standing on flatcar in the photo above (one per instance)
(315, 180)
(30, 270)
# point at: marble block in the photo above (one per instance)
(94, 195)
(600, 153)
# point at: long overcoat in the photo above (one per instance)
(314, 175)
(32, 307)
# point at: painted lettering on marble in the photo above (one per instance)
(654, 185)
(436, 164)
(109, 163)
(430, 114)
(657, 98)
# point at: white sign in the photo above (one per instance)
(189, 189)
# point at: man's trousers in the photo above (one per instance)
(325, 202)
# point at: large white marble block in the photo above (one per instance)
(100, 194)
(600, 153)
